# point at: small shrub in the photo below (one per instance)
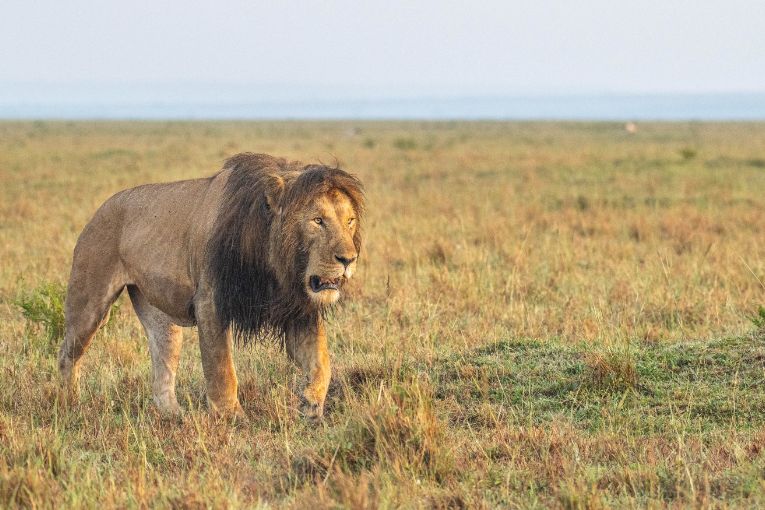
(44, 307)
(438, 254)
(405, 144)
(369, 143)
(582, 203)
(687, 153)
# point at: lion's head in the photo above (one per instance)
(287, 239)
(317, 220)
(329, 225)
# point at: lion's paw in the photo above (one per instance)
(312, 411)
(228, 411)
(169, 411)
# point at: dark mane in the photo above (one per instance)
(255, 294)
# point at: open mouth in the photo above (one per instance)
(319, 284)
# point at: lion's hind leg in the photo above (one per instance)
(165, 341)
(87, 308)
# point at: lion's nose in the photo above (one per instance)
(344, 260)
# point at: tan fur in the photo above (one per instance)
(156, 241)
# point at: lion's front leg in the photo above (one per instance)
(219, 371)
(215, 344)
(308, 349)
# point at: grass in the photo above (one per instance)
(546, 315)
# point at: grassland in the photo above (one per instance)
(546, 315)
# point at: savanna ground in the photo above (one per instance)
(545, 315)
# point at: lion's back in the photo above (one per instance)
(145, 231)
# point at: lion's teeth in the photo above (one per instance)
(329, 281)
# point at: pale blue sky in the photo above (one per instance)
(393, 48)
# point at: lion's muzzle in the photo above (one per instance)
(319, 284)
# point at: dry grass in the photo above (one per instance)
(547, 315)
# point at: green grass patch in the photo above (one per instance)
(648, 388)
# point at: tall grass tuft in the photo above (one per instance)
(394, 429)
(611, 370)
(401, 429)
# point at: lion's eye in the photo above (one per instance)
(318, 220)
(350, 221)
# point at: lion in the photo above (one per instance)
(260, 249)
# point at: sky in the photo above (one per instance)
(88, 54)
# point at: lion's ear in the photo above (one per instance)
(274, 190)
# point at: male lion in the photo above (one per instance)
(262, 248)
